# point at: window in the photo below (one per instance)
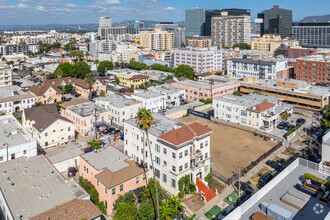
(164, 150)
(201, 145)
(186, 153)
(206, 155)
(186, 165)
(114, 191)
(121, 187)
(106, 190)
(164, 178)
(69, 129)
(1, 158)
(157, 148)
(157, 160)
(137, 180)
(97, 183)
(106, 204)
(12, 156)
(84, 168)
(144, 177)
(180, 155)
(180, 168)
(165, 163)
(201, 158)
(173, 183)
(173, 155)
(206, 143)
(46, 134)
(173, 168)
(24, 151)
(157, 173)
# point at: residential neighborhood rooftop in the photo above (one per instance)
(12, 132)
(8, 93)
(118, 101)
(206, 85)
(65, 155)
(32, 186)
(86, 109)
(147, 94)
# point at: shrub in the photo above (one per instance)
(94, 196)
(208, 176)
(180, 195)
(265, 139)
(255, 134)
(102, 207)
(285, 116)
(312, 177)
(248, 182)
(259, 174)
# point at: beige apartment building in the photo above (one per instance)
(157, 40)
(6, 75)
(270, 42)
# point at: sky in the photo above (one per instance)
(13, 12)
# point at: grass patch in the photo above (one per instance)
(234, 197)
(213, 183)
(213, 212)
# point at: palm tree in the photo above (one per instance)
(96, 62)
(144, 121)
(177, 203)
(87, 55)
(80, 55)
(89, 80)
(166, 211)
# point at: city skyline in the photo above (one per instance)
(13, 12)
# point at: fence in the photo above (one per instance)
(236, 176)
(248, 129)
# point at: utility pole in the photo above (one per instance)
(211, 83)
(239, 177)
(95, 117)
(163, 106)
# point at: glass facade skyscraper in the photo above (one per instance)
(194, 22)
(277, 21)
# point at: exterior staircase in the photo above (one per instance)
(208, 193)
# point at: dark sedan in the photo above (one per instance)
(264, 180)
(245, 187)
(282, 125)
(275, 165)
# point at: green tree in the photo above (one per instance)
(94, 195)
(82, 69)
(122, 65)
(138, 66)
(90, 80)
(94, 144)
(169, 76)
(184, 71)
(243, 46)
(104, 65)
(162, 68)
(126, 211)
(325, 121)
(166, 211)
(67, 69)
(146, 211)
(102, 207)
(98, 38)
(117, 64)
(127, 198)
(237, 93)
(102, 93)
(68, 88)
(176, 202)
(96, 62)
(117, 80)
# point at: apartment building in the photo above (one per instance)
(179, 33)
(6, 75)
(314, 34)
(313, 69)
(119, 107)
(14, 49)
(256, 111)
(31, 186)
(86, 116)
(177, 150)
(13, 99)
(298, 93)
(202, 60)
(152, 101)
(199, 41)
(173, 96)
(47, 126)
(112, 173)
(271, 68)
(230, 30)
(325, 147)
(157, 40)
(131, 79)
(46, 94)
(15, 140)
(269, 42)
(207, 89)
(104, 46)
(296, 52)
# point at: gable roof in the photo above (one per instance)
(262, 106)
(40, 90)
(185, 134)
(70, 80)
(74, 209)
(43, 116)
(137, 77)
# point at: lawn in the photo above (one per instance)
(214, 212)
(234, 197)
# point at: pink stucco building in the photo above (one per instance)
(196, 90)
(112, 173)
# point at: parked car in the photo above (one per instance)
(264, 180)
(245, 187)
(301, 121)
(76, 95)
(87, 149)
(319, 133)
(282, 125)
(242, 199)
(108, 130)
(275, 165)
(72, 172)
(226, 212)
(115, 131)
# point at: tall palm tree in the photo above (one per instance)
(144, 121)
(177, 203)
(166, 211)
(96, 62)
(89, 80)
(87, 55)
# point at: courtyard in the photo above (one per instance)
(229, 146)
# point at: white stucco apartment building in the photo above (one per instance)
(120, 108)
(15, 141)
(177, 150)
(152, 101)
(256, 111)
(173, 96)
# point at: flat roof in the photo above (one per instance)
(12, 132)
(319, 58)
(8, 91)
(109, 157)
(118, 101)
(264, 61)
(65, 155)
(32, 186)
(312, 210)
(147, 95)
(165, 89)
(311, 90)
(247, 100)
(207, 85)
(86, 109)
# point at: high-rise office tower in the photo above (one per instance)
(316, 34)
(229, 30)
(179, 33)
(104, 25)
(194, 22)
(277, 21)
(137, 25)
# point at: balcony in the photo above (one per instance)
(196, 154)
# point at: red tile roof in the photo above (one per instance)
(263, 106)
(139, 77)
(185, 134)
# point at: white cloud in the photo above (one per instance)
(41, 8)
(24, 1)
(108, 2)
(70, 5)
(170, 8)
(23, 6)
